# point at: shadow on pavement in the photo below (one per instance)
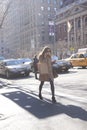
(45, 108)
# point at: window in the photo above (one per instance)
(55, 9)
(48, 1)
(79, 38)
(49, 16)
(65, 39)
(76, 9)
(85, 38)
(42, 1)
(50, 38)
(60, 29)
(61, 3)
(43, 31)
(85, 21)
(43, 38)
(48, 8)
(81, 56)
(72, 38)
(55, 1)
(43, 23)
(79, 23)
(42, 8)
(65, 28)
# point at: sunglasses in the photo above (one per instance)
(48, 51)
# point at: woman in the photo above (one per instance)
(45, 71)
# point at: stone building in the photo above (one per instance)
(71, 26)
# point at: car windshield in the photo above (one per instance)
(85, 55)
(74, 56)
(12, 62)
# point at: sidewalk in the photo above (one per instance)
(21, 109)
(4, 82)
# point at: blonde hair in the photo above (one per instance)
(44, 50)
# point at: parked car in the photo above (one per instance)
(53, 58)
(12, 67)
(85, 55)
(78, 59)
(2, 58)
(26, 62)
(62, 66)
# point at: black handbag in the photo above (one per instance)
(55, 74)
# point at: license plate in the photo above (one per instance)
(63, 67)
(22, 72)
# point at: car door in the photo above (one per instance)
(74, 60)
(82, 60)
(2, 68)
(79, 60)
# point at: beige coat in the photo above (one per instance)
(45, 69)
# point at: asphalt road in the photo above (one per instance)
(21, 109)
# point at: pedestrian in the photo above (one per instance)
(35, 61)
(45, 71)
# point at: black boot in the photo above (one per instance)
(53, 100)
(40, 96)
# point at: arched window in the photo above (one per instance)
(79, 23)
(65, 28)
(85, 21)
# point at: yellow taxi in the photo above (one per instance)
(78, 60)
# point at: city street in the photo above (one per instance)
(21, 109)
(43, 36)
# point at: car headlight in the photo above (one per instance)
(28, 67)
(12, 69)
(68, 63)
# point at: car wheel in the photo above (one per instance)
(32, 69)
(7, 75)
(27, 74)
(66, 70)
(83, 67)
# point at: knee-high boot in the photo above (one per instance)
(53, 91)
(40, 89)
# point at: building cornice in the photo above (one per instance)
(77, 3)
(74, 12)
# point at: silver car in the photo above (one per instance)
(12, 67)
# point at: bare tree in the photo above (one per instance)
(5, 13)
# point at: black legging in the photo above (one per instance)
(52, 87)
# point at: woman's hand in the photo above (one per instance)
(54, 61)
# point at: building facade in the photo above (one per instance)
(28, 26)
(71, 23)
